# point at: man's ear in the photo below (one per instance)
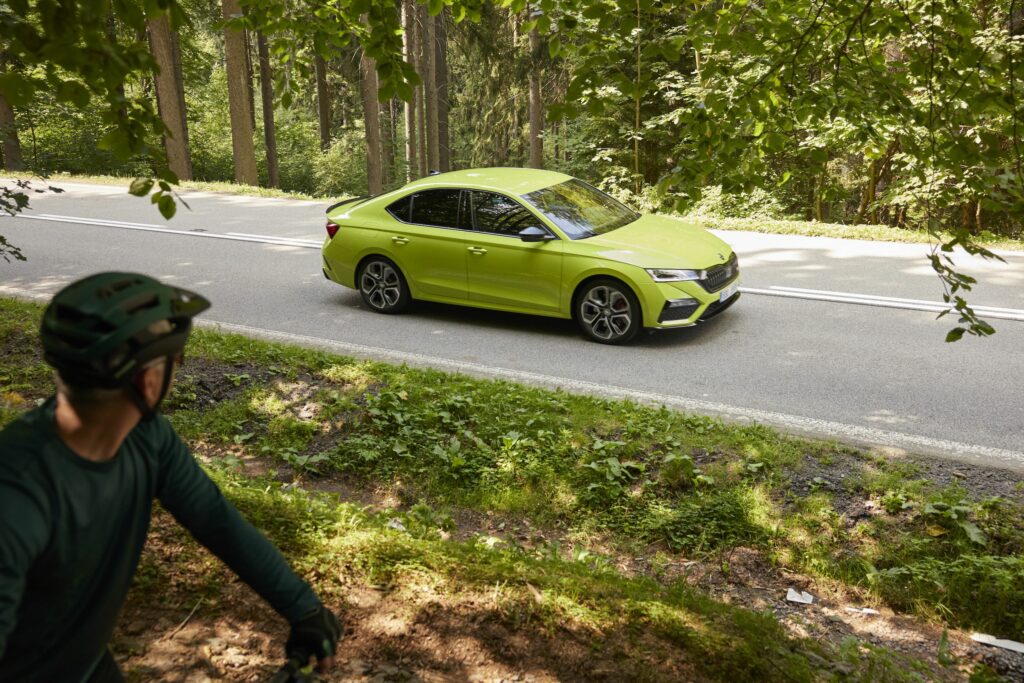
(149, 382)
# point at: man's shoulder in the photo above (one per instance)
(155, 434)
(24, 439)
(26, 447)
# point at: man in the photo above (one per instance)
(78, 476)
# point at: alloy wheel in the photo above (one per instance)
(381, 285)
(607, 313)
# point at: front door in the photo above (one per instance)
(504, 270)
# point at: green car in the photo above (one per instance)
(529, 241)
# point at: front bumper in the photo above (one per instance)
(669, 305)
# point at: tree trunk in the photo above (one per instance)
(536, 106)
(409, 43)
(267, 93)
(122, 110)
(430, 88)
(238, 98)
(421, 107)
(512, 146)
(444, 159)
(868, 195)
(388, 143)
(819, 190)
(249, 78)
(323, 103)
(12, 146)
(371, 114)
(170, 95)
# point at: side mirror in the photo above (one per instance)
(535, 234)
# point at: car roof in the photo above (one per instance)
(510, 180)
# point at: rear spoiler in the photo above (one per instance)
(343, 202)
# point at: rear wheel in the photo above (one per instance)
(382, 285)
(608, 312)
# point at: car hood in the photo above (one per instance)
(660, 242)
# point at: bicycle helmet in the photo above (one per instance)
(97, 332)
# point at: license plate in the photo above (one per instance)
(729, 291)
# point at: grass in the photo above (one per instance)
(596, 479)
(774, 226)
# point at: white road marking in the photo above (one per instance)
(882, 301)
(297, 240)
(148, 227)
(788, 292)
(805, 426)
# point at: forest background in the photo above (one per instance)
(903, 113)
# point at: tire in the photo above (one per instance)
(607, 311)
(382, 285)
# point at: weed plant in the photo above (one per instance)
(642, 481)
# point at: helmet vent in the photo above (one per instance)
(137, 306)
(115, 287)
(85, 322)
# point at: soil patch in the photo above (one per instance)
(742, 576)
(202, 382)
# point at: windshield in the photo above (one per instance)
(579, 209)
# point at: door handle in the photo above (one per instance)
(479, 251)
(400, 240)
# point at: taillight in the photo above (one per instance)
(332, 229)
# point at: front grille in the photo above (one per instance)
(719, 276)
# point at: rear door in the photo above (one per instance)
(503, 269)
(428, 241)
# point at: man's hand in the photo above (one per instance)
(315, 635)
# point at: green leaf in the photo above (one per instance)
(16, 88)
(973, 532)
(554, 46)
(74, 92)
(140, 187)
(167, 206)
(955, 334)
(758, 128)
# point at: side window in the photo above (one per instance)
(436, 207)
(401, 209)
(496, 213)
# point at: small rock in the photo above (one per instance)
(216, 645)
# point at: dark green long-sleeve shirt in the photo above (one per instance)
(72, 530)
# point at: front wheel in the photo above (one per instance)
(608, 312)
(382, 286)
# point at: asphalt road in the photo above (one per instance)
(826, 339)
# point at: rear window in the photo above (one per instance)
(401, 208)
(436, 207)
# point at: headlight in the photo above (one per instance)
(671, 275)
